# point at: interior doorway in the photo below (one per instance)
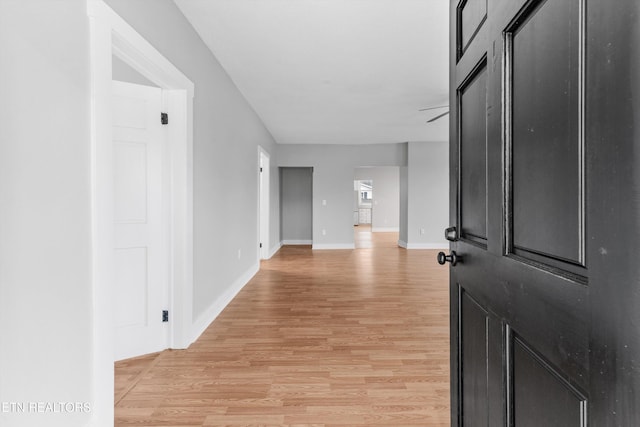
(264, 198)
(363, 202)
(376, 206)
(296, 205)
(111, 35)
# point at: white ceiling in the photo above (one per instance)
(334, 71)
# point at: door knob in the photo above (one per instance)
(453, 258)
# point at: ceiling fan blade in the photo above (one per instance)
(433, 108)
(437, 117)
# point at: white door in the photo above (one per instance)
(141, 255)
(264, 206)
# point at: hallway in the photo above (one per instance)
(323, 338)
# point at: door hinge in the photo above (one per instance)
(260, 244)
(165, 315)
(164, 118)
(260, 169)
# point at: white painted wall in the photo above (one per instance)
(427, 195)
(226, 135)
(385, 209)
(333, 177)
(296, 191)
(45, 240)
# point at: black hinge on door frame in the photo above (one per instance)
(260, 169)
(261, 245)
(164, 118)
(165, 315)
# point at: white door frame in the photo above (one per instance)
(110, 34)
(264, 195)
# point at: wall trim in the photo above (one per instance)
(210, 314)
(297, 242)
(442, 246)
(329, 246)
(402, 244)
(385, 229)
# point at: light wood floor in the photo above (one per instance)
(317, 338)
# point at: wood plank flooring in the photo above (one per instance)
(317, 338)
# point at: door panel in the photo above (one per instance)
(473, 155)
(471, 16)
(132, 286)
(141, 255)
(474, 336)
(543, 51)
(130, 160)
(541, 397)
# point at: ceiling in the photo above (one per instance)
(334, 71)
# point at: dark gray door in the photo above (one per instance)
(545, 198)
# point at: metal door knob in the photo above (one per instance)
(444, 258)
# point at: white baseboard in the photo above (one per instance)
(274, 249)
(442, 246)
(206, 318)
(297, 242)
(385, 230)
(325, 246)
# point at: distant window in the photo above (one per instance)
(366, 191)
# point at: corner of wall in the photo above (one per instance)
(275, 249)
(214, 310)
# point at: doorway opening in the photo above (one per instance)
(263, 202)
(296, 205)
(111, 35)
(363, 202)
(376, 206)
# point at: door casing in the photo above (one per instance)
(263, 203)
(111, 35)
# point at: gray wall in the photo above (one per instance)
(226, 135)
(385, 209)
(423, 185)
(333, 176)
(45, 198)
(296, 205)
(45, 218)
(404, 205)
(427, 194)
